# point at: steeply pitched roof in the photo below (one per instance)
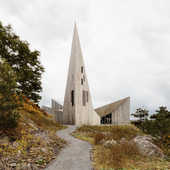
(107, 109)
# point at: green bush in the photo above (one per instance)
(10, 98)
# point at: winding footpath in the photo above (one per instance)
(74, 157)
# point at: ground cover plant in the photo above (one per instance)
(125, 156)
(30, 149)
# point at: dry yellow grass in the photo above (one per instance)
(124, 156)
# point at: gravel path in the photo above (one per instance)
(74, 157)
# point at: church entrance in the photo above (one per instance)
(106, 119)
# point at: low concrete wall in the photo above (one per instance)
(49, 110)
(58, 117)
(57, 114)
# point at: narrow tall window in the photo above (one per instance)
(81, 69)
(83, 98)
(84, 77)
(81, 81)
(72, 97)
(87, 96)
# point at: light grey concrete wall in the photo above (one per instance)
(57, 114)
(49, 110)
(122, 114)
(58, 117)
(77, 114)
(56, 105)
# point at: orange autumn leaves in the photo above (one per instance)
(32, 108)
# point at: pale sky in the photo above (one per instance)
(125, 46)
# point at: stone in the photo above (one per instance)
(43, 136)
(133, 136)
(123, 140)
(44, 150)
(33, 126)
(109, 143)
(148, 149)
(2, 165)
(106, 133)
(2, 141)
(82, 133)
(102, 141)
(147, 137)
(15, 144)
(34, 167)
(37, 158)
(18, 154)
(31, 130)
(12, 164)
(25, 167)
(46, 132)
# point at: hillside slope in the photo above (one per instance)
(34, 143)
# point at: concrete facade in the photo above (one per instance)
(121, 115)
(50, 111)
(56, 111)
(56, 105)
(120, 111)
(78, 108)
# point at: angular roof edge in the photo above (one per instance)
(109, 108)
(57, 101)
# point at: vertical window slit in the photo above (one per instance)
(72, 97)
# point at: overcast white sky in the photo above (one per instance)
(125, 46)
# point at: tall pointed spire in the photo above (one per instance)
(78, 108)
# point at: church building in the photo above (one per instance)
(78, 108)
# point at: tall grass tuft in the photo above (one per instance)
(118, 155)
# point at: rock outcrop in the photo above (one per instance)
(144, 144)
(146, 147)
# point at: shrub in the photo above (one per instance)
(117, 155)
(32, 108)
(98, 137)
(10, 98)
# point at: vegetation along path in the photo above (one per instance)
(74, 157)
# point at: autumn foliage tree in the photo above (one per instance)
(10, 98)
(24, 62)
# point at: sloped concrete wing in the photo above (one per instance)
(120, 111)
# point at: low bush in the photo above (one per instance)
(98, 137)
(118, 155)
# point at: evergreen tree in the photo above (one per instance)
(24, 62)
(10, 98)
(142, 114)
(162, 111)
(161, 121)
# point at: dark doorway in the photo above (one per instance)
(106, 119)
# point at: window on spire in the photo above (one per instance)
(72, 97)
(84, 98)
